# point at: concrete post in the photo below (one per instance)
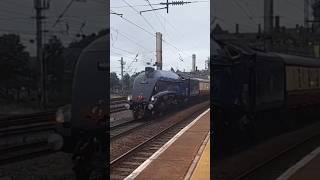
(159, 50)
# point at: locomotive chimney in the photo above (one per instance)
(159, 50)
(193, 62)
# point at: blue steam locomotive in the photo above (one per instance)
(155, 91)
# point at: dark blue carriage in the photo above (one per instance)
(256, 90)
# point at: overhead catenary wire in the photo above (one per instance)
(63, 12)
(168, 22)
(22, 14)
(165, 41)
(130, 56)
(153, 4)
(156, 14)
(150, 33)
(235, 2)
(129, 52)
(144, 18)
(168, 45)
(133, 61)
(140, 27)
(130, 39)
(251, 12)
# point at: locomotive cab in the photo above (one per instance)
(231, 77)
(231, 90)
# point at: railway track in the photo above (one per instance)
(122, 166)
(118, 99)
(25, 136)
(125, 128)
(24, 152)
(117, 104)
(22, 124)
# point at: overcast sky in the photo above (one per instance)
(249, 13)
(16, 17)
(186, 29)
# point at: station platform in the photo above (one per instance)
(185, 156)
(307, 168)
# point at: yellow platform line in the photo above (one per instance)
(202, 171)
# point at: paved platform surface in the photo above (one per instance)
(202, 171)
(181, 159)
(308, 168)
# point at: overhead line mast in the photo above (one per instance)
(41, 5)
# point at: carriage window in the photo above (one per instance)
(299, 78)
